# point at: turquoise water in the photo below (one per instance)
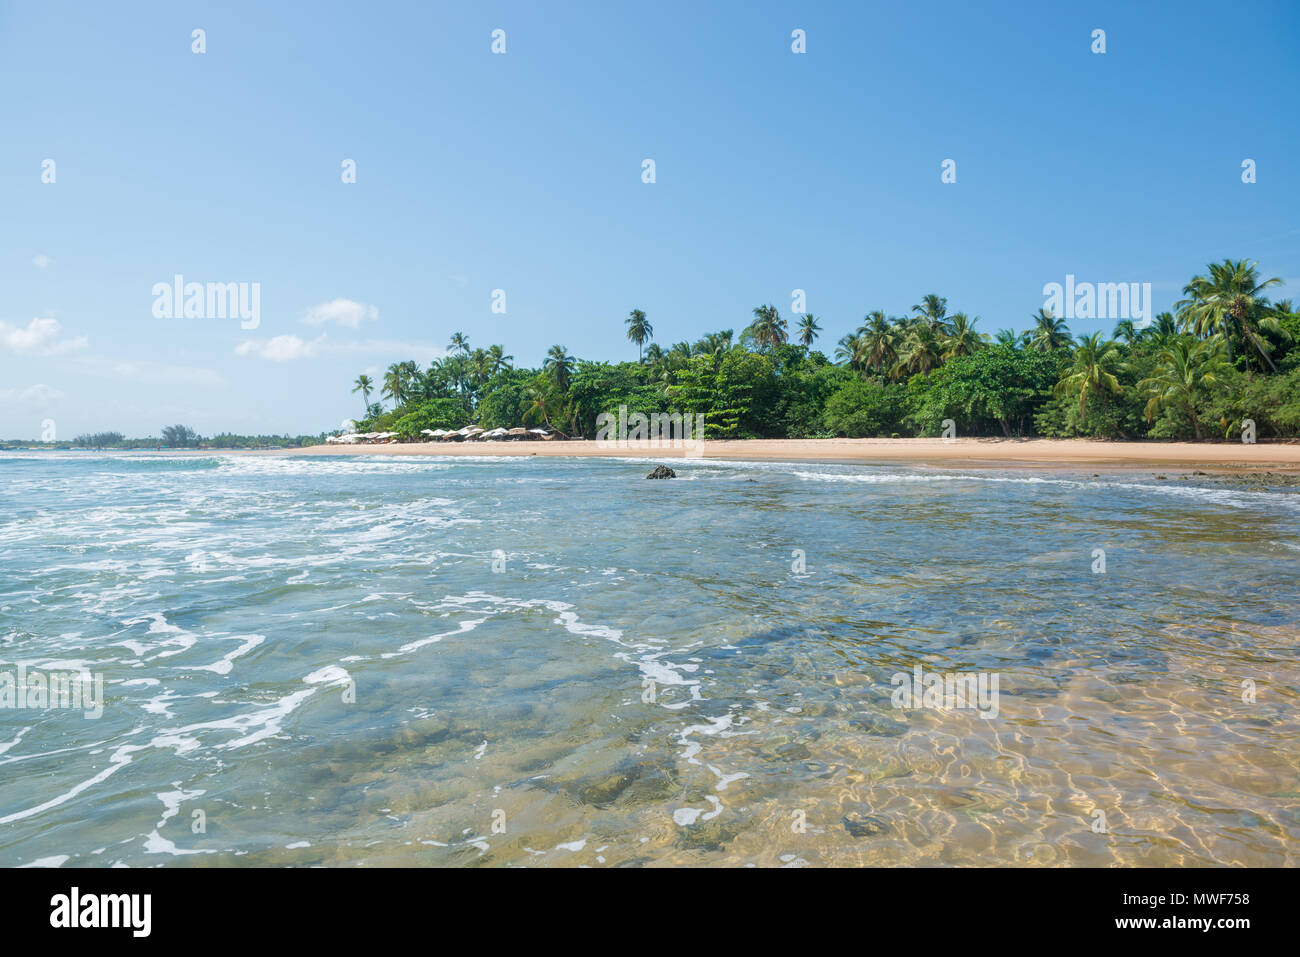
(371, 660)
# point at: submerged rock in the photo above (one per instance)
(662, 472)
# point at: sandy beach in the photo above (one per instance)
(963, 453)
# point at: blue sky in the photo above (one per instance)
(522, 172)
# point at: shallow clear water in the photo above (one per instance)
(555, 662)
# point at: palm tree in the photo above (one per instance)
(1163, 331)
(713, 343)
(808, 329)
(639, 330)
(922, 350)
(1007, 337)
(654, 354)
(395, 382)
(878, 341)
(1124, 329)
(932, 310)
(1049, 333)
(848, 351)
(499, 359)
(962, 339)
(1229, 301)
(560, 365)
(768, 328)
(1186, 368)
(365, 385)
(459, 341)
(1093, 372)
(537, 399)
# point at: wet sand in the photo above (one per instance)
(964, 453)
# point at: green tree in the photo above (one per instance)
(364, 385)
(1229, 301)
(639, 330)
(1186, 371)
(1093, 372)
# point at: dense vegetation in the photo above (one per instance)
(1227, 354)
(176, 437)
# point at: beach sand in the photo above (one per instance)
(963, 453)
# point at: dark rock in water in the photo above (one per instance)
(862, 825)
(662, 471)
(878, 724)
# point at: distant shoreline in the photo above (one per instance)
(964, 453)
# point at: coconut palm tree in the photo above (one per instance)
(961, 339)
(1124, 329)
(808, 330)
(559, 364)
(1093, 372)
(1007, 337)
(713, 343)
(538, 402)
(848, 349)
(879, 342)
(459, 342)
(639, 330)
(1049, 333)
(933, 310)
(1186, 369)
(654, 354)
(921, 351)
(365, 385)
(499, 359)
(1230, 301)
(396, 380)
(768, 328)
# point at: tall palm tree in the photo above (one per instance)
(1049, 333)
(808, 330)
(1186, 369)
(1163, 331)
(1007, 337)
(1230, 301)
(921, 351)
(848, 351)
(1124, 329)
(538, 403)
(365, 385)
(1093, 372)
(459, 342)
(961, 339)
(395, 383)
(933, 310)
(878, 341)
(499, 359)
(559, 364)
(768, 328)
(639, 330)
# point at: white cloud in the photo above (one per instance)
(342, 312)
(42, 261)
(35, 396)
(279, 349)
(39, 337)
(289, 348)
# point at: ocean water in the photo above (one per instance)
(554, 662)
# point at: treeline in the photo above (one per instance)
(177, 437)
(1227, 354)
